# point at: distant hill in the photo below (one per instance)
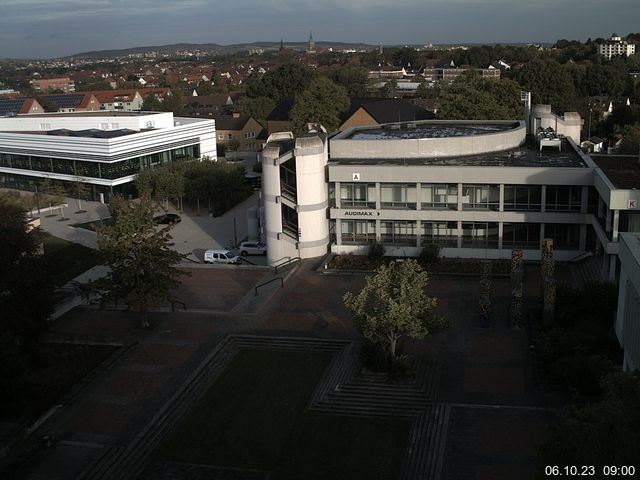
(213, 48)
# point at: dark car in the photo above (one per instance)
(167, 219)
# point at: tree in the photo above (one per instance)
(390, 89)
(258, 108)
(288, 80)
(53, 191)
(471, 97)
(164, 183)
(142, 264)
(25, 287)
(354, 79)
(151, 103)
(599, 433)
(549, 83)
(393, 304)
(322, 102)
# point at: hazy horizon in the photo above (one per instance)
(59, 28)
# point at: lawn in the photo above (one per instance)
(67, 260)
(254, 417)
(48, 372)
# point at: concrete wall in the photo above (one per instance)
(569, 125)
(344, 147)
(628, 316)
(83, 121)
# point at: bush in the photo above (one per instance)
(374, 357)
(376, 252)
(401, 368)
(429, 254)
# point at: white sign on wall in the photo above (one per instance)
(632, 204)
(356, 177)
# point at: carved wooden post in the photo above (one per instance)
(516, 288)
(485, 294)
(547, 280)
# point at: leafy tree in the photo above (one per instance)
(600, 433)
(53, 192)
(81, 191)
(322, 102)
(354, 79)
(393, 304)
(471, 97)
(405, 56)
(151, 103)
(257, 107)
(286, 81)
(164, 183)
(142, 264)
(549, 83)
(25, 288)
(390, 89)
(233, 145)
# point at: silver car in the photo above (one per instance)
(252, 248)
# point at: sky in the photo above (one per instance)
(56, 28)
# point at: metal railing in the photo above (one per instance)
(285, 264)
(255, 290)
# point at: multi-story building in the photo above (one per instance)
(477, 189)
(19, 105)
(45, 85)
(615, 46)
(449, 74)
(122, 100)
(241, 128)
(628, 314)
(73, 102)
(102, 149)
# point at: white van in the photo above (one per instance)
(220, 256)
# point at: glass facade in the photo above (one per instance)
(358, 232)
(480, 234)
(481, 197)
(439, 195)
(565, 236)
(521, 235)
(398, 232)
(522, 198)
(444, 234)
(358, 195)
(563, 198)
(87, 169)
(398, 195)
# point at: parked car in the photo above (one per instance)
(167, 219)
(252, 248)
(220, 256)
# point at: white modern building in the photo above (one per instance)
(628, 316)
(103, 149)
(477, 189)
(615, 46)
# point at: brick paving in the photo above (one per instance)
(479, 366)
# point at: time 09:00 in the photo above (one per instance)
(589, 470)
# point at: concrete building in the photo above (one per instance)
(73, 102)
(123, 100)
(615, 46)
(628, 315)
(477, 189)
(19, 105)
(45, 85)
(243, 128)
(103, 149)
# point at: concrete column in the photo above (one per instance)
(418, 198)
(377, 206)
(338, 231)
(419, 232)
(607, 222)
(378, 222)
(459, 228)
(616, 224)
(337, 192)
(584, 199)
(543, 201)
(612, 267)
(459, 201)
(500, 227)
(583, 238)
(501, 209)
(541, 234)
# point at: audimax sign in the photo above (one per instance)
(361, 213)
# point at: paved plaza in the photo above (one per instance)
(495, 418)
